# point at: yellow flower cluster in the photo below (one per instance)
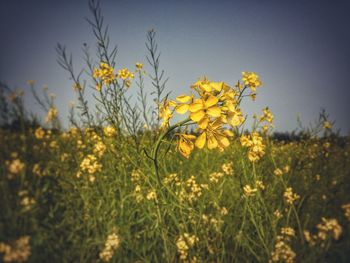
(190, 190)
(289, 196)
(151, 195)
(109, 131)
(138, 66)
(39, 133)
(18, 252)
(255, 144)
(213, 222)
(77, 87)
(99, 148)
(166, 112)
(277, 214)
(249, 191)
(111, 245)
(26, 201)
(346, 209)
(327, 125)
(252, 80)
(267, 115)
(126, 76)
(213, 107)
(327, 228)
(14, 167)
(227, 168)
(215, 177)
(184, 244)
(278, 172)
(105, 74)
(172, 179)
(51, 115)
(282, 251)
(91, 166)
(260, 184)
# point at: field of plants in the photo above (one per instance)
(158, 178)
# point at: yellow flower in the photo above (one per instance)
(255, 145)
(185, 144)
(138, 66)
(214, 136)
(267, 115)
(51, 114)
(151, 195)
(111, 245)
(202, 109)
(109, 131)
(165, 111)
(346, 209)
(39, 133)
(248, 191)
(327, 125)
(251, 79)
(98, 86)
(183, 108)
(15, 167)
(105, 73)
(233, 117)
(77, 87)
(278, 172)
(125, 74)
(289, 196)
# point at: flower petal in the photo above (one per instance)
(217, 85)
(228, 133)
(182, 109)
(224, 142)
(212, 142)
(206, 87)
(197, 116)
(200, 142)
(183, 98)
(214, 111)
(203, 123)
(211, 101)
(196, 105)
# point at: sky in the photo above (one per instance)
(300, 49)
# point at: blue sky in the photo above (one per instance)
(299, 48)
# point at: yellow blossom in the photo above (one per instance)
(185, 144)
(39, 133)
(19, 251)
(104, 73)
(214, 136)
(111, 245)
(278, 172)
(51, 115)
(249, 191)
(327, 125)
(289, 196)
(251, 79)
(138, 66)
(346, 209)
(109, 131)
(166, 111)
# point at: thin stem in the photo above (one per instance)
(157, 147)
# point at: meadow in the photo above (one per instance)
(159, 178)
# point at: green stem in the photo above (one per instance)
(157, 146)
